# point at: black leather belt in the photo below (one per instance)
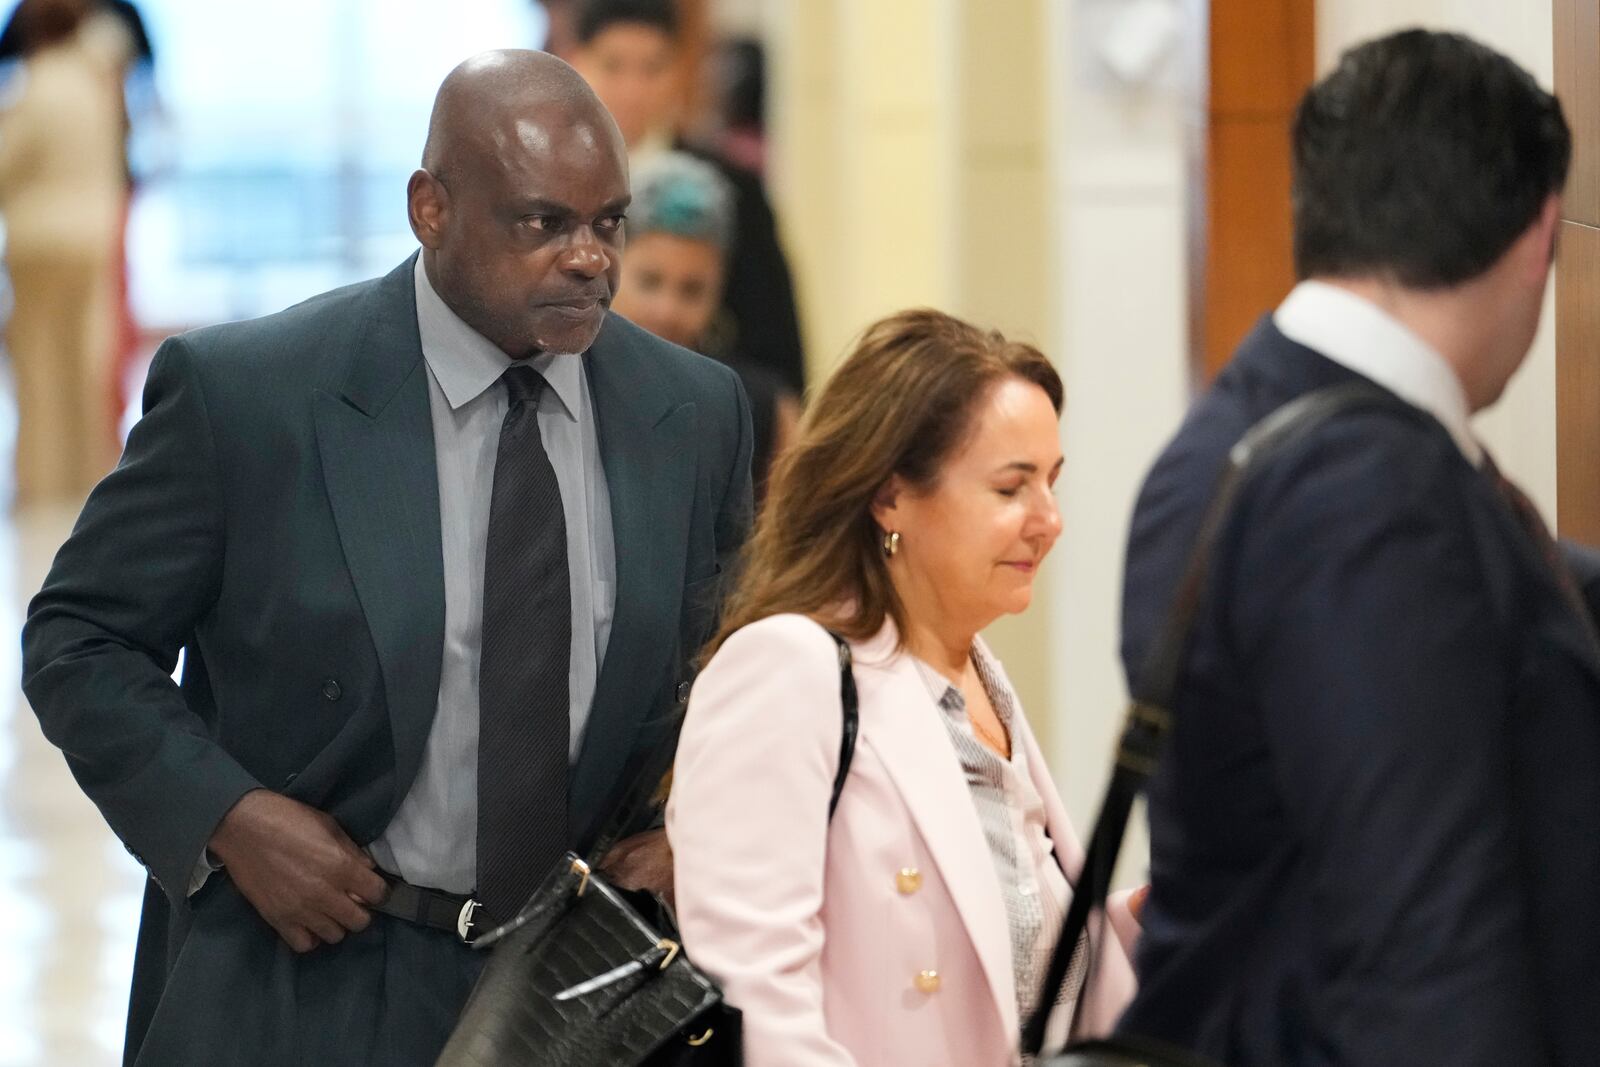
(433, 908)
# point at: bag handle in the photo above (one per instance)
(1149, 716)
(850, 707)
(650, 768)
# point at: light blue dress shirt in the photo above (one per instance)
(432, 840)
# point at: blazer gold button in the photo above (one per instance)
(928, 981)
(908, 880)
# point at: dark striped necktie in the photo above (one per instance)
(523, 708)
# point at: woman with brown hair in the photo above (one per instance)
(914, 925)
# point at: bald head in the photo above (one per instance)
(520, 201)
(487, 96)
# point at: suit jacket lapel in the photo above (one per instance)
(375, 438)
(901, 723)
(647, 449)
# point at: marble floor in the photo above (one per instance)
(69, 894)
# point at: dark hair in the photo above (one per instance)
(903, 402)
(742, 72)
(1422, 158)
(42, 23)
(597, 15)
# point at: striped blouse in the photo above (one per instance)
(1012, 815)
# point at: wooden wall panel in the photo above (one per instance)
(1249, 243)
(1260, 58)
(1577, 48)
(1578, 383)
(1577, 53)
(1262, 55)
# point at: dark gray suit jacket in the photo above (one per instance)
(276, 518)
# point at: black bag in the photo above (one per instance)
(581, 978)
(1149, 718)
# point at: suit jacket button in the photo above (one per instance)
(683, 692)
(908, 880)
(331, 690)
(928, 981)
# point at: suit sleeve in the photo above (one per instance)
(748, 824)
(1363, 623)
(141, 569)
(736, 511)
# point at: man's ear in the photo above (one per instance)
(428, 204)
(886, 504)
(1544, 234)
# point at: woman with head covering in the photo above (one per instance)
(680, 227)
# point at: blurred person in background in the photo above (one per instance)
(739, 86)
(62, 186)
(680, 227)
(560, 27)
(1373, 832)
(116, 31)
(914, 925)
(628, 50)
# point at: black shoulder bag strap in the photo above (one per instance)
(650, 769)
(1149, 715)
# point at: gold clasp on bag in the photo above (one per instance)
(672, 948)
(696, 1042)
(581, 868)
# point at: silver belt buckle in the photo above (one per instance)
(464, 921)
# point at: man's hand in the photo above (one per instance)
(641, 862)
(297, 868)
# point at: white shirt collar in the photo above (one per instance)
(1360, 336)
(465, 363)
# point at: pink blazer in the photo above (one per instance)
(880, 939)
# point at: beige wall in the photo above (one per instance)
(1521, 429)
(1118, 187)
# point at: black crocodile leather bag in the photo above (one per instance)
(582, 978)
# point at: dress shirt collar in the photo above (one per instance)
(1360, 336)
(465, 363)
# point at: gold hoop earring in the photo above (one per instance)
(891, 543)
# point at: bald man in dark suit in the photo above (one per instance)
(439, 550)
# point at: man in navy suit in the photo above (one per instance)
(1375, 827)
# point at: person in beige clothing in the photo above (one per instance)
(61, 188)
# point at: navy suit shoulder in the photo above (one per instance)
(1361, 459)
(1384, 736)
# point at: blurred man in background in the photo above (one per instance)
(628, 50)
(1373, 834)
